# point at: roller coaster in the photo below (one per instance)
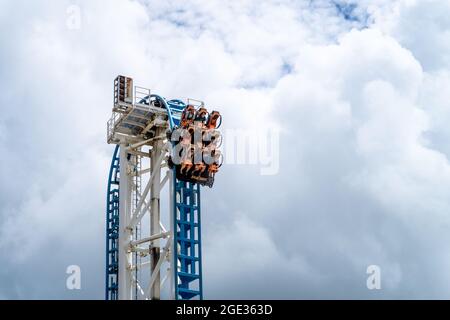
(150, 255)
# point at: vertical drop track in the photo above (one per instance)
(112, 229)
(188, 273)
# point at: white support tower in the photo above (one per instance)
(138, 125)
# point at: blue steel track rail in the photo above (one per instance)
(112, 229)
(187, 226)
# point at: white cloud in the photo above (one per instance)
(423, 27)
(361, 104)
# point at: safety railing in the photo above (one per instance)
(111, 125)
(141, 95)
(195, 103)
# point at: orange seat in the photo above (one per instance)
(187, 117)
(212, 120)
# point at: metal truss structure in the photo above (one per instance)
(149, 255)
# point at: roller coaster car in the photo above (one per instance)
(198, 172)
(188, 116)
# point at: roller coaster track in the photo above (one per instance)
(112, 228)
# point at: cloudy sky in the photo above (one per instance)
(359, 91)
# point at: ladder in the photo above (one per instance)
(187, 237)
(137, 231)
